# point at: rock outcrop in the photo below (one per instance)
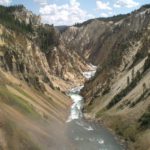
(35, 50)
(23, 15)
(119, 93)
(34, 66)
(39, 58)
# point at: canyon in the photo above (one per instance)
(40, 63)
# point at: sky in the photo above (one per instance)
(69, 12)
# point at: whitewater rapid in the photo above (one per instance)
(87, 135)
(77, 106)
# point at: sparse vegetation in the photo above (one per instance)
(106, 91)
(139, 56)
(113, 18)
(142, 97)
(125, 91)
(133, 74)
(34, 81)
(15, 101)
(100, 113)
(128, 81)
(22, 92)
(17, 138)
(143, 51)
(124, 39)
(147, 64)
(146, 6)
(129, 132)
(123, 128)
(144, 87)
(48, 38)
(8, 20)
(145, 119)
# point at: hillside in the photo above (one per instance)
(119, 94)
(32, 57)
(28, 116)
(40, 62)
(94, 35)
(23, 36)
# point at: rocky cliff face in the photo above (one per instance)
(114, 44)
(29, 117)
(120, 47)
(94, 35)
(118, 95)
(36, 58)
(34, 50)
(23, 15)
(34, 62)
(84, 39)
(124, 47)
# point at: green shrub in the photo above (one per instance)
(147, 64)
(146, 6)
(143, 96)
(16, 101)
(47, 38)
(18, 138)
(117, 98)
(7, 19)
(106, 91)
(145, 119)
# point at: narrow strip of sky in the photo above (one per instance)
(67, 12)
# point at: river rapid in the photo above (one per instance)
(83, 134)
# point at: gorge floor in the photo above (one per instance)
(87, 135)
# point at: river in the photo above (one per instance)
(83, 134)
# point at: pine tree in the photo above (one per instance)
(144, 87)
(128, 81)
(133, 74)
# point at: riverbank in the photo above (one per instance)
(84, 134)
(127, 132)
(102, 122)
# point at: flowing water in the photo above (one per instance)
(87, 135)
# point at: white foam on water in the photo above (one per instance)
(89, 128)
(100, 141)
(89, 74)
(76, 98)
(77, 106)
(76, 89)
(75, 112)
